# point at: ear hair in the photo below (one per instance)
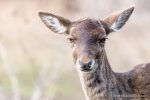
(116, 20)
(55, 23)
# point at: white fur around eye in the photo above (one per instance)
(54, 23)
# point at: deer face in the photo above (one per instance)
(87, 36)
(88, 39)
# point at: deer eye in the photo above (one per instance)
(71, 40)
(102, 41)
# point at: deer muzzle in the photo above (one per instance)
(85, 63)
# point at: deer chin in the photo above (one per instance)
(93, 68)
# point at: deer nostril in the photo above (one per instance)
(90, 63)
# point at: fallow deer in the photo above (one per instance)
(99, 81)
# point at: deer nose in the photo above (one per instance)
(85, 65)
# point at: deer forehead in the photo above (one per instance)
(87, 27)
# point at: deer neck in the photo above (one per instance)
(96, 84)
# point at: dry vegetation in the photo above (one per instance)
(32, 64)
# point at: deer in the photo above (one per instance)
(88, 37)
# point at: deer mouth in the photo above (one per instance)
(85, 70)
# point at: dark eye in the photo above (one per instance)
(102, 40)
(71, 40)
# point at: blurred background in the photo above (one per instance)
(36, 64)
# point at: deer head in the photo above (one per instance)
(87, 36)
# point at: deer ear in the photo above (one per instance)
(55, 23)
(116, 20)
